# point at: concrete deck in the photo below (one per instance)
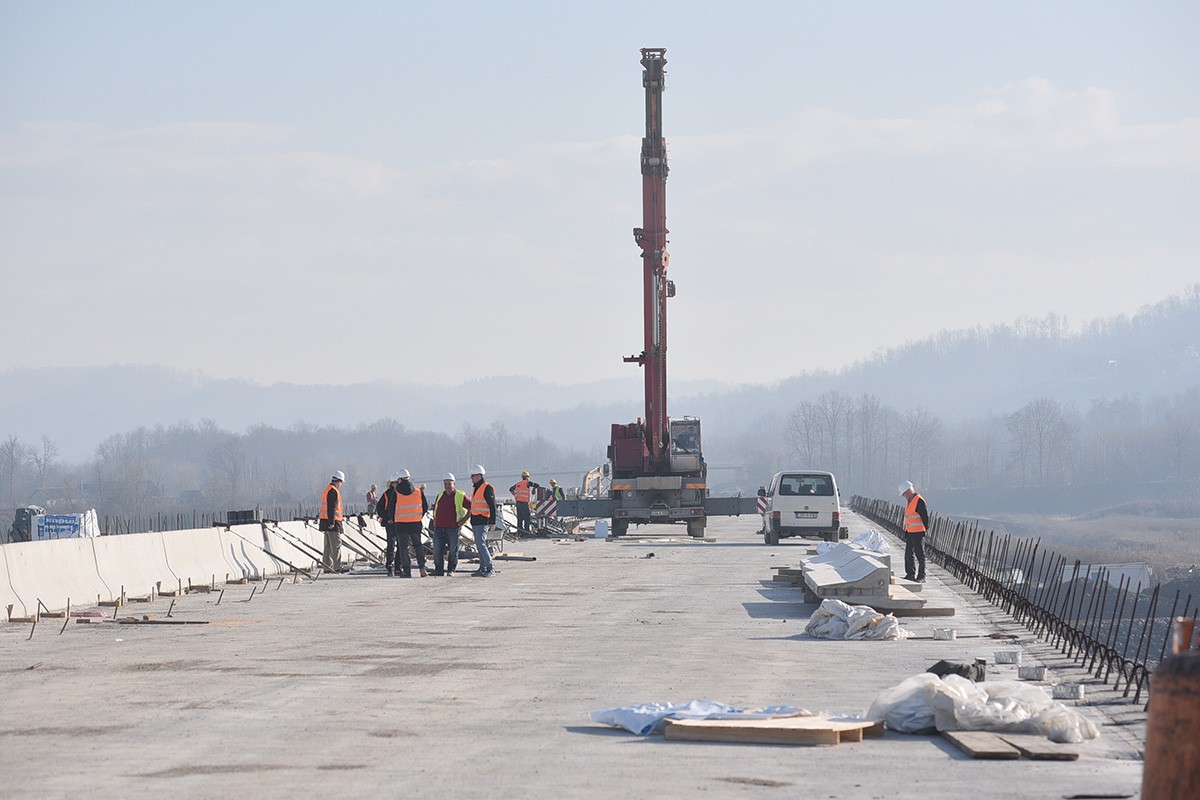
(462, 687)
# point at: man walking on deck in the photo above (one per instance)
(916, 522)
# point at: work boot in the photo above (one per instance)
(391, 572)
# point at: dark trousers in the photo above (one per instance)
(445, 549)
(393, 542)
(914, 551)
(409, 534)
(523, 518)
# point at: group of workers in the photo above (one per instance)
(402, 508)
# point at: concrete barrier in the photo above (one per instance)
(244, 545)
(198, 557)
(10, 601)
(54, 571)
(136, 561)
(282, 541)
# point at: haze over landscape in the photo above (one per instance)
(226, 227)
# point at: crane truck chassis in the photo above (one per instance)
(658, 474)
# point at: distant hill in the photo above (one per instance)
(956, 374)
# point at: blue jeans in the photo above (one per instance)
(445, 549)
(485, 558)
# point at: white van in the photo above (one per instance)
(801, 503)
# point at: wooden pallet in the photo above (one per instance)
(781, 730)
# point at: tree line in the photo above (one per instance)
(188, 466)
(1044, 443)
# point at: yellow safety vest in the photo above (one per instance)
(460, 502)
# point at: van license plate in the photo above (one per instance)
(659, 513)
(806, 515)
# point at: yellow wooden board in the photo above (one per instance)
(780, 730)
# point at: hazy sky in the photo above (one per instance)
(319, 191)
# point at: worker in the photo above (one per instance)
(378, 509)
(557, 490)
(916, 523)
(371, 498)
(409, 510)
(522, 492)
(329, 521)
(450, 510)
(483, 519)
(386, 508)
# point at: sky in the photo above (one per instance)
(318, 192)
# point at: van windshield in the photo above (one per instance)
(805, 485)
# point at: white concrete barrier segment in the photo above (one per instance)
(198, 557)
(55, 570)
(244, 544)
(135, 561)
(296, 550)
(12, 603)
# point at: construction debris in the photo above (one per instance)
(810, 730)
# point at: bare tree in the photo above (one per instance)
(804, 431)
(920, 438)
(14, 455)
(44, 460)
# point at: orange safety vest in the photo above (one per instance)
(521, 491)
(408, 507)
(337, 511)
(479, 505)
(912, 520)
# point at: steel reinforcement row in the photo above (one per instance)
(1076, 608)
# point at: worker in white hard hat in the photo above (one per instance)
(483, 519)
(451, 509)
(387, 515)
(329, 521)
(522, 493)
(916, 523)
(408, 513)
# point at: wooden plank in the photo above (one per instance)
(809, 731)
(981, 744)
(1039, 748)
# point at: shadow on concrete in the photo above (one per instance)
(779, 610)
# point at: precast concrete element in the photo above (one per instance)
(135, 563)
(847, 572)
(286, 542)
(56, 571)
(843, 552)
(198, 557)
(244, 545)
(9, 599)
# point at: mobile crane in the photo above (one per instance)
(658, 474)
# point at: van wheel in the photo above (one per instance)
(619, 528)
(772, 537)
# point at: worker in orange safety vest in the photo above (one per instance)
(329, 521)
(522, 492)
(916, 523)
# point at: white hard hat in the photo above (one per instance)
(449, 476)
(478, 470)
(394, 477)
(905, 486)
(338, 475)
(402, 474)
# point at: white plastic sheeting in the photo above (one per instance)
(648, 718)
(834, 619)
(925, 702)
(867, 540)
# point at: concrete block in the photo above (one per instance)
(54, 571)
(135, 561)
(197, 556)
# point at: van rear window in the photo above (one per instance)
(805, 485)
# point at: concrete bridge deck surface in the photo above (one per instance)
(361, 685)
